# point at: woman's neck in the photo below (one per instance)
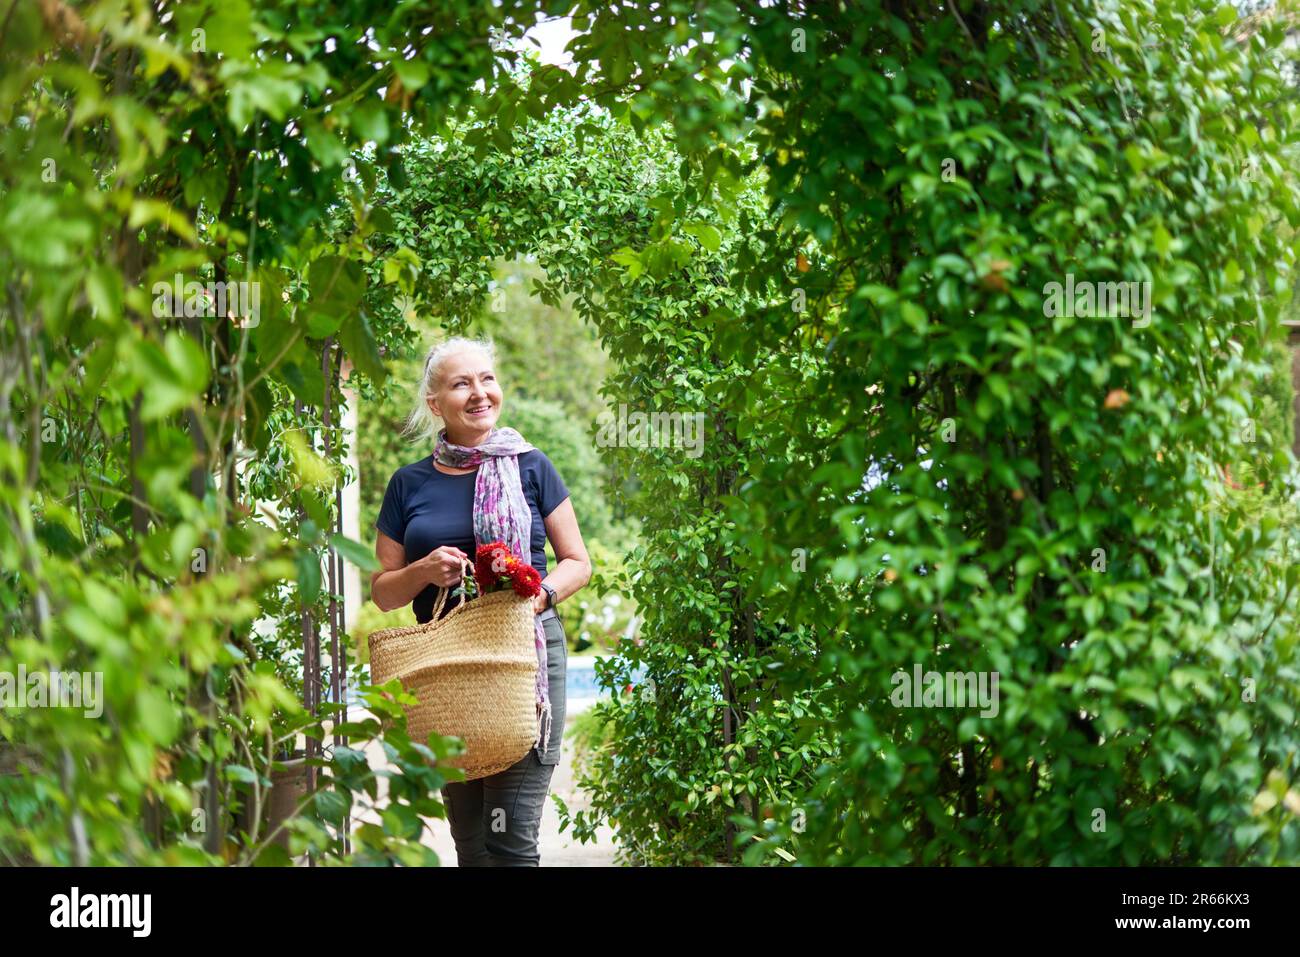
(469, 441)
(448, 470)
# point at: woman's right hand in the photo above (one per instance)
(445, 565)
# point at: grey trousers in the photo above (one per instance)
(495, 820)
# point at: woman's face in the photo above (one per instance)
(468, 399)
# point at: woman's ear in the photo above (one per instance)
(433, 406)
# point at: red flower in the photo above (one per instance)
(483, 563)
(523, 578)
(491, 549)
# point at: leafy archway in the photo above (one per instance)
(607, 217)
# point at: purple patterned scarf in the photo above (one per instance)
(501, 514)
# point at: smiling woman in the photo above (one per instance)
(433, 517)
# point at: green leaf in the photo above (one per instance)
(261, 92)
(170, 378)
(158, 716)
(308, 564)
(336, 285)
(356, 553)
(228, 30)
(369, 121)
(631, 259)
(413, 73)
(237, 772)
(708, 236)
(1161, 240)
(358, 342)
(913, 315)
(332, 806)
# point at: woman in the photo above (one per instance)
(483, 484)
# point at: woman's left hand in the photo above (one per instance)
(539, 602)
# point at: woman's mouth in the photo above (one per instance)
(479, 410)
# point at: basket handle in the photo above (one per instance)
(441, 600)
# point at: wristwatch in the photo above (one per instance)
(550, 595)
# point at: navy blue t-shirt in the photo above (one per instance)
(425, 509)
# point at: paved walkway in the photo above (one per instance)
(557, 850)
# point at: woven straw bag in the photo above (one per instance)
(474, 674)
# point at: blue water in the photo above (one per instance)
(580, 680)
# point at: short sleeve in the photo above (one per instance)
(392, 513)
(551, 490)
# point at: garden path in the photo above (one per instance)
(557, 849)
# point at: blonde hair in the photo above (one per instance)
(422, 423)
